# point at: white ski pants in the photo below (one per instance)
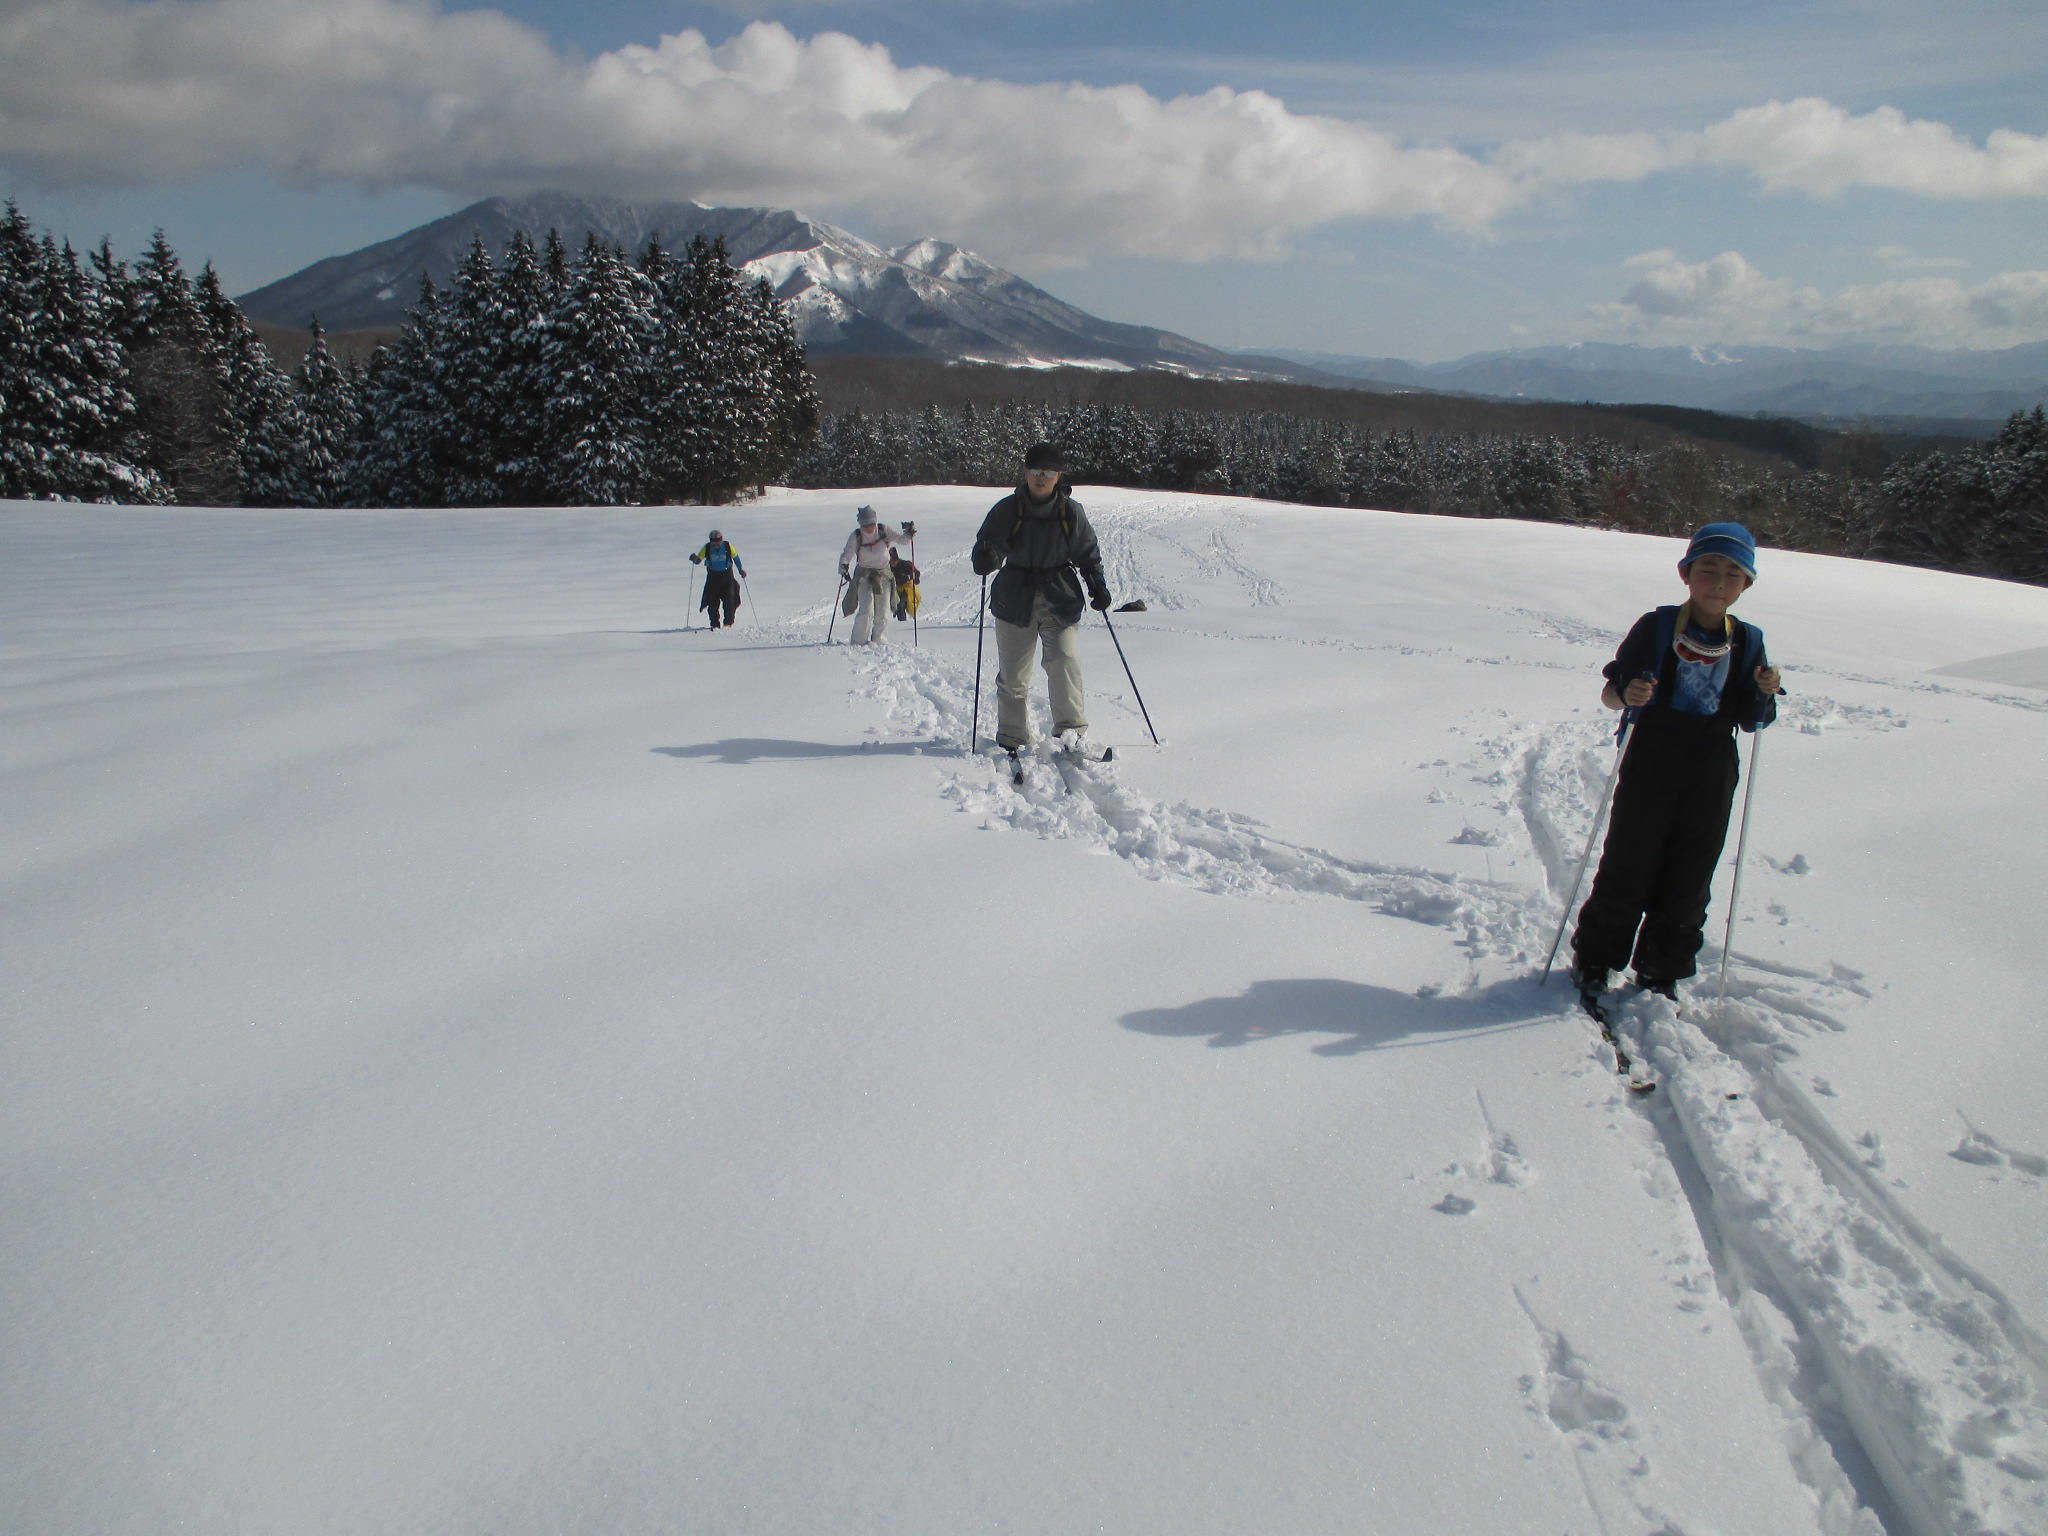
(877, 596)
(1015, 644)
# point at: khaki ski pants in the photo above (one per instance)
(877, 594)
(1015, 644)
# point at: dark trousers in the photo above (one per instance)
(721, 595)
(1656, 871)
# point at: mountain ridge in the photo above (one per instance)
(928, 298)
(1860, 380)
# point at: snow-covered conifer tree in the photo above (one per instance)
(255, 388)
(66, 415)
(519, 388)
(185, 417)
(599, 414)
(791, 392)
(469, 346)
(401, 432)
(298, 457)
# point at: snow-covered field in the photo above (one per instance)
(482, 1059)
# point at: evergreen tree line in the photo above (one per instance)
(1981, 510)
(604, 380)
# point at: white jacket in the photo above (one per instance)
(871, 553)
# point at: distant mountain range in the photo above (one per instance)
(934, 300)
(927, 299)
(1829, 385)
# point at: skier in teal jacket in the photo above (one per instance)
(721, 585)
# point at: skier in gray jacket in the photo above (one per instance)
(1038, 542)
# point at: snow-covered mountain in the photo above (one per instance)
(926, 299)
(1853, 381)
(480, 1058)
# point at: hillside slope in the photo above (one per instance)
(488, 1059)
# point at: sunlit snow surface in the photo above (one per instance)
(482, 1058)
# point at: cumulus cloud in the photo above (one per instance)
(382, 93)
(1727, 299)
(1808, 145)
(385, 93)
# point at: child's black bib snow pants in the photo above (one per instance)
(1656, 874)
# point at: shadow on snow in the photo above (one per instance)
(757, 749)
(1369, 1018)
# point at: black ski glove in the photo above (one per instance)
(696, 559)
(1098, 596)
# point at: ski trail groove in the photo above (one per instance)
(1212, 850)
(1937, 1376)
(1919, 1384)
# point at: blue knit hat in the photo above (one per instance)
(1730, 539)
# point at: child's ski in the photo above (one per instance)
(1625, 1065)
(1637, 1073)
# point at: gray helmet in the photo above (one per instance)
(866, 517)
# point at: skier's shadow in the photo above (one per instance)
(1367, 1018)
(758, 749)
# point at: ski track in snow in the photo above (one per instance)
(1910, 1387)
(1887, 1351)
(1921, 1358)
(1219, 851)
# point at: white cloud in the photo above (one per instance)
(1727, 299)
(379, 94)
(1807, 145)
(1906, 260)
(1813, 146)
(382, 93)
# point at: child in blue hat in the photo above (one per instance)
(1692, 675)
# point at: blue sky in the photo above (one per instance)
(1415, 180)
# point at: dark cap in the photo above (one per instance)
(1044, 456)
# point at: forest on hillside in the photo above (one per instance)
(1953, 504)
(539, 380)
(616, 378)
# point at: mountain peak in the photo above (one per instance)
(928, 298)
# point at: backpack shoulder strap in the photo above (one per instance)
(1664, 660)
(1667, 630)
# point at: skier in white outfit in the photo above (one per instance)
(865, 562)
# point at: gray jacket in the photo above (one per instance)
(1039, 546)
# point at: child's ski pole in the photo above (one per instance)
(1756, 742)
(974, 726)
(1628, 729)
(1133, 681)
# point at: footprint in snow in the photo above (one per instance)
(1499, 1164)
(1985, 1151)
(1594, 1421)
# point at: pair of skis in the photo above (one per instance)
(1069, 754)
